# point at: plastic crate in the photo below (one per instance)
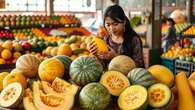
(193, 67)
(169, 63)
(183, 66)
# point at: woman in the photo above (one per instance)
(170, 38)
(122, 39)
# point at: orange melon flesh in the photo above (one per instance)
(115, 82)
(186, 100)
(44, 101)
(133, 98)
(159, 95)
(28, 100)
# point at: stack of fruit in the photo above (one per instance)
(22, 34)
(55, 82)
(6, 35)
(180, 27)
(38, 20)
(185, 51)
(10, 52)
(75, 46)
(190, 31)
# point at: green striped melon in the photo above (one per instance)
(65, 60)
(141, 76)
(94, 96)
(85, 69)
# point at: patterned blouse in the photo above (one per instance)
(136, 50)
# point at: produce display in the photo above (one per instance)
(190, 31)
(180, 28)
(21, 34)
(37, 20)
(184, 49)
(54, 70)
(87, 86)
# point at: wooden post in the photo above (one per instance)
(189, 10)
(154, 49)
(50, 7)
(155, 40)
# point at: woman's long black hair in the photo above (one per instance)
(116, 13)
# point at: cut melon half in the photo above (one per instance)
(12, 95)
(133, 98)
(159, 95)
(115, 82)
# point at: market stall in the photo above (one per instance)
(46, 63)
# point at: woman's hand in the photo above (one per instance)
(92, 47)
(107, 55)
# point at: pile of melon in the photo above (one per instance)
(75, 46)
(59, 83)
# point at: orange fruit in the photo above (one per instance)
(2, 61)
(6, 54)
(16, 55)
(64, 49)
(7, 45)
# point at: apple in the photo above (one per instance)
(26, 45)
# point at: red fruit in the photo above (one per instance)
(26, 45)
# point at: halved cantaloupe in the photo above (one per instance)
(115, 82)
(133, 98)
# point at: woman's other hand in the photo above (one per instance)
(107, 55)
(92, 47)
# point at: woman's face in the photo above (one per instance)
(113, 27)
